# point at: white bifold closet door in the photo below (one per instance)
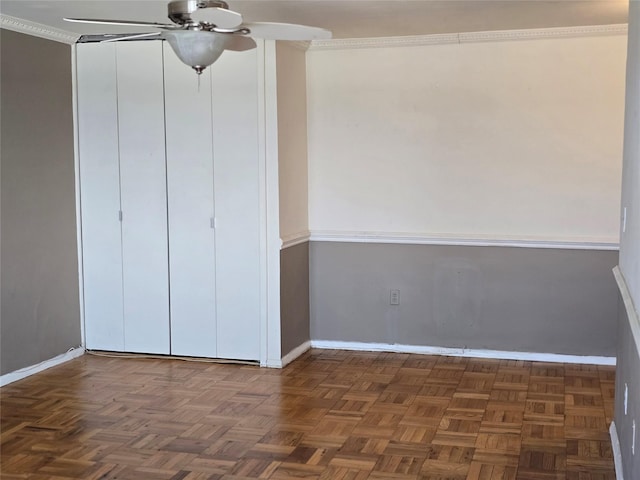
(143, 193)
(100, 196)
(123, 176)
(170, 200)
(213, 198)
(191, 209)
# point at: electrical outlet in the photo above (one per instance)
(395, 297)
(626, 398)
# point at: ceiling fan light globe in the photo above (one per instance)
(197, 49)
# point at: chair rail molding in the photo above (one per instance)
(463, 240)
(293, 239)
(632, 313)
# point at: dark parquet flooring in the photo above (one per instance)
(330, 415)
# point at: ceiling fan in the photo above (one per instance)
(203, 29)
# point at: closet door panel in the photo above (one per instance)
(191, 208)
(143, 192)
(236, 180)
(100, 196)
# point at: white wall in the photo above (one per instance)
(292, 140)
(500, 140)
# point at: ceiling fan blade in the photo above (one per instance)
(285, 31)
(220, 17)
(239, 43)
(131, 37)
(98, 21)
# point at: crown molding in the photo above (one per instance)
(384, 42)
(469, 37)
(535, 33)
(299, 44)
(37, 29)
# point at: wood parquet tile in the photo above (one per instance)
(331, 415)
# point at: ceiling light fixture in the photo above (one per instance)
(197, 48)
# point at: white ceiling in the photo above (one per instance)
(346, 18)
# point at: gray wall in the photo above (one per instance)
(627, 372)
(40, 314)
(294, 296)
(628, 366)
(499, 298)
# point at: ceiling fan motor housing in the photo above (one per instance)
(180, 10)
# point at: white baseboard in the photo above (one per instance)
(617, 453)
(272, 363)
(463, 352)
(288, 358)
(11, 377)
(295, 353)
